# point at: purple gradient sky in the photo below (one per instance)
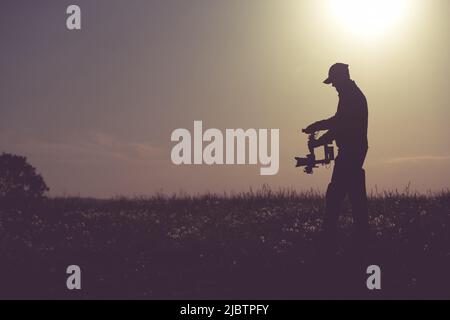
(94, 110)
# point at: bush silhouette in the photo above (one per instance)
(19, 182)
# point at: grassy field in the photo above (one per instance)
(259, 244)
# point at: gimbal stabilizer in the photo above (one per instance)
(310, 162)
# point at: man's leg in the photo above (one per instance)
(335, 195)
(358, 199)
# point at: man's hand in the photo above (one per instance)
(309, 129)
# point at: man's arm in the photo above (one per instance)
(326, 124)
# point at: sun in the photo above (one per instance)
(368, 17)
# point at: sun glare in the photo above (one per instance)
(368, 17)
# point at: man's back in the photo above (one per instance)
(351, 119)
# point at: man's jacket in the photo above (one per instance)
(348, 127)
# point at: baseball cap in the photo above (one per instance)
(337, 71)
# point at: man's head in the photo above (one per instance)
(338, 75)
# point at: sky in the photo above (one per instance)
(93, 110)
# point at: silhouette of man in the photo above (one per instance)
(348, 127)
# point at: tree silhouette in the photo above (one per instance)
(19, 181)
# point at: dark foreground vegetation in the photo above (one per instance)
(260, 244)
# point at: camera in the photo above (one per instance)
(310, 162)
